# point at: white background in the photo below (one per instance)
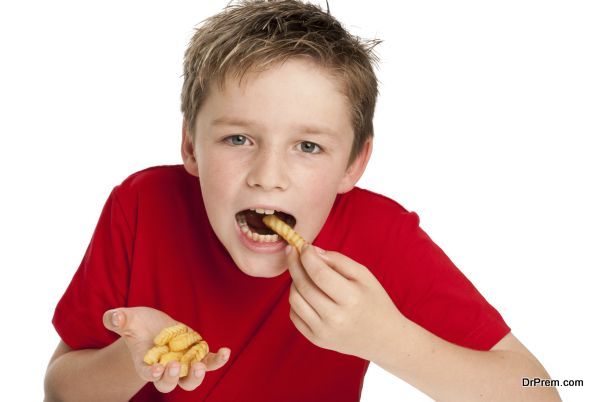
(487, 127)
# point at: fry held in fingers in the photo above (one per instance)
(285, 231)
(177, 343)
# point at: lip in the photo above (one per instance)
(257, 247)
(263, 206)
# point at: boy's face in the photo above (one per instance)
(280, 141)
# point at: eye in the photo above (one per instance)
(310, 147)
(236, 139)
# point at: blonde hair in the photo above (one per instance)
(257, 33)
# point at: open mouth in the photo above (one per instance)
(252, 226)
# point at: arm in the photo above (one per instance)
(83, 375)
(338, 304)
(117, 372)
(448, 372)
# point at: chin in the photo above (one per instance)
(262, 267)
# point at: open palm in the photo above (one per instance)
(138, 326)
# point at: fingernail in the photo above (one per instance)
(225, 355)
(288, 249)
(156, 372)
(198, 373)
(174, 371)
(114, 318)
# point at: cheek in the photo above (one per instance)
(320, 188)
(326, 175)
(216, 167)
(217, 179)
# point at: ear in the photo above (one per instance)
(187, 151)
(357, 168)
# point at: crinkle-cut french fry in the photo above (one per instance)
(177, 343)
(285, 231)
(184, 369)
(153, 355)
(169, 333)
(169, 357)
(196, 352)
(184, 341)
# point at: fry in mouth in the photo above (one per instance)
(285, 231)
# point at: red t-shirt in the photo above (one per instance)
(154, 246)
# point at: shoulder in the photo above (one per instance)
(367, 226)
(155, 181)
(363, 196)
(374, 209)
(156, 189)
(370, 228)
(155, 177)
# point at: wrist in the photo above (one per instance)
(390, 341)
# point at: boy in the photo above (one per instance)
(278, 101)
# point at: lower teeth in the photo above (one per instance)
(255, 236)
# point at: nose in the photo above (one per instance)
(268, 171)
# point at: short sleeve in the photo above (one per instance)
(431, 291)
(99, 284)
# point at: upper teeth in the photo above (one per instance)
(263, 211)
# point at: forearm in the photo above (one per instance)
(448, 372)
(105, 374)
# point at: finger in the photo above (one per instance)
(327, 280)
(306, 288)
(170, 378)
(114, 320)
(343, 265)
(194, 378)
(119, 320)
(214, 361)
(151, 373)
(301, 325)
(303, 309)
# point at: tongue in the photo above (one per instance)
(256, 224)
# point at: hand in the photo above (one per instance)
(338, 304)
(138, 326)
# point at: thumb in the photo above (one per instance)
(115, 320)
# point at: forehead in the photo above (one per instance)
(295, 93)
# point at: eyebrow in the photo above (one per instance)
(304, 128)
